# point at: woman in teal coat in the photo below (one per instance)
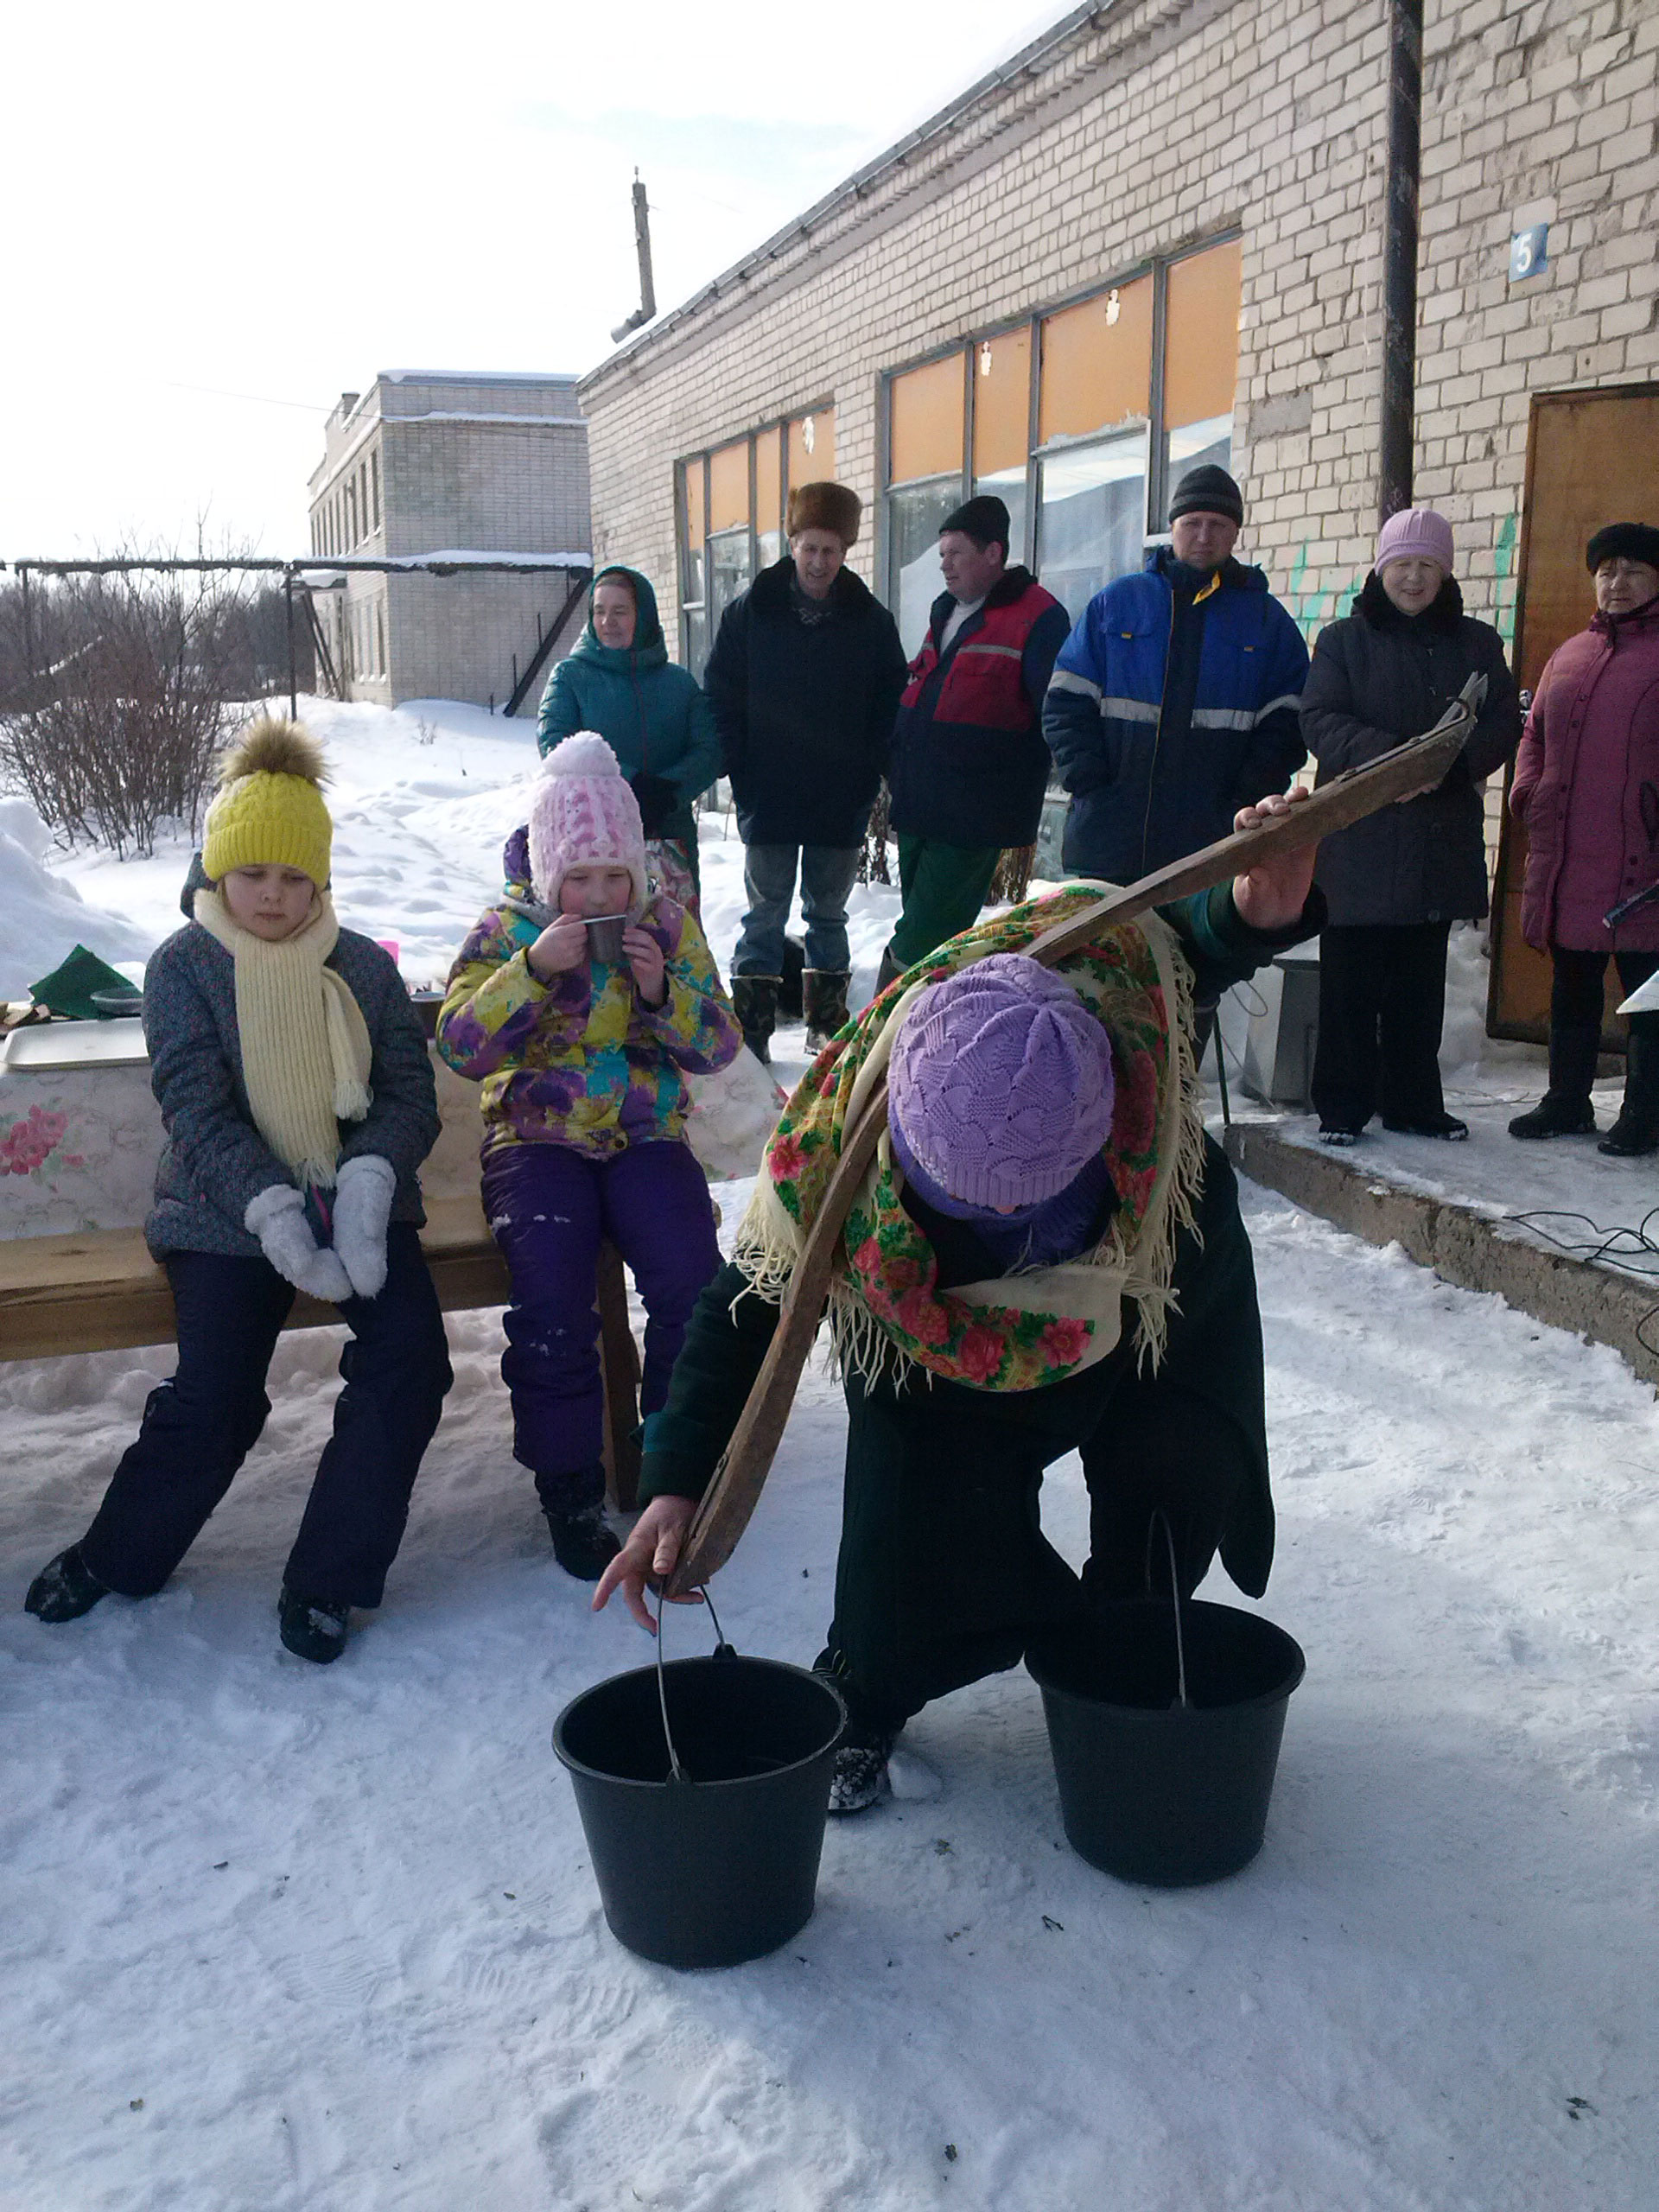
(621, 681)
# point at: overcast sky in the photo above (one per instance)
(220, 217)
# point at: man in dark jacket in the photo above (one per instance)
(803, 680)
(1174, 701)
(969, 766)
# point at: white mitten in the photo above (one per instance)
(278, 1219)
(363, 1196)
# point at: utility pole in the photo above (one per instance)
(647, 306)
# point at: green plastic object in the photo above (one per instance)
(69, 989)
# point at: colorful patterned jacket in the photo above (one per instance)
(581, 1061)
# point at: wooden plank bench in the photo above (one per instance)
(99, 1290)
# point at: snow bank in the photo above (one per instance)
(43, 915)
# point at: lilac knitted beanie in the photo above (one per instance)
(999, 1086)
(1417, 533)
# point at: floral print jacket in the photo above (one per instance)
(582, 1061)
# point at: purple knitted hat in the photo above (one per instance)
(1000, 1087)
(1416, 534)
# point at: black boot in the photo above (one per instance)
(754, 999)
(584, 1543)
(64, 1589)
(312, 1628)
(824, 990)
(1636, 1132)
(1565, 1109)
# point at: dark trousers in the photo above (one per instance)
(549, 1209)
(200, 1426)
(944, 1574)
(944, 888)
(1577, 985)
(1382, 1005)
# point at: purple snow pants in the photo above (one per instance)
(549, 1208)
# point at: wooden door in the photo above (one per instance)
(1592, 457)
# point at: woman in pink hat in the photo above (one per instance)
(1395, 882)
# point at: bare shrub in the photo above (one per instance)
(115, 724)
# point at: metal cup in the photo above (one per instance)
(605, 937)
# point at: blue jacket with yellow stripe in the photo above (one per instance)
(1170, 708)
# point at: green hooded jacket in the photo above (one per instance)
(650, 712)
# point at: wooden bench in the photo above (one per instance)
(99, 1290)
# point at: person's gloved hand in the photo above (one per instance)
(277, 1217)
(657, 799)
(363, 1196)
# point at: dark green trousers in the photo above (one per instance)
(944, 1574)
(944, 888)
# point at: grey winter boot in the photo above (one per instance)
(1636, 1132)
(824, 994)
(1565, 1109)
(754, 1000)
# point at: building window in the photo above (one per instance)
(731, 505)
(380, 638)
(1080, 420)
(374, 485)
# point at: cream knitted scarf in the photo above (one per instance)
(305, 1045)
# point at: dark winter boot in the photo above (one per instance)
(824, 990)
(312, 1628)
(64, 1589)
(584, 1543)
(888, 972)
(1565, 1109)
(754, 1000)
(859, 1777)
(1636, 1130)
(791, 997)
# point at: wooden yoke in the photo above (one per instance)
(1417, 765)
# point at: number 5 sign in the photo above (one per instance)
(1529, 253)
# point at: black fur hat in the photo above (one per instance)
(1622, 541)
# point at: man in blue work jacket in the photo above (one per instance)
(1174, 701)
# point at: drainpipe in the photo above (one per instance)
(1400, 255)
(647, 306)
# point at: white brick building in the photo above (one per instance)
(1158, 231)
(428, 463)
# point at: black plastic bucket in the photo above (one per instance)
(720, 1866)
(1152, 1789)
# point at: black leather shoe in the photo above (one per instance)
(311, 1628)
(64, 1589)
(1556, 1117)
(1629, 1139)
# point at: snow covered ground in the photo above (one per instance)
(282, 1937)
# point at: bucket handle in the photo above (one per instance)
(722, 1650)
(1159, 1515)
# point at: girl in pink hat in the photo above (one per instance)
(580, 1003)
(1395, 882)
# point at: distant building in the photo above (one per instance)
(428, 463)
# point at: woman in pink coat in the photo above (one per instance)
(1586, 787)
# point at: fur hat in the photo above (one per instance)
(1207, 491)
(269, 811)
(1000, 1087)
(1622, 541)
(823, 507)
(583, 813)
(1416, 534)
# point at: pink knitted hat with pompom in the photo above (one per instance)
(583, 813)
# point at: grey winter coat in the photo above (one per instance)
(215, 1160)
(1380, 676)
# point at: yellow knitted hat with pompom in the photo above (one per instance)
(269, 811)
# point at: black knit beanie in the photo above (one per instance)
(1622, 541)
(984, 519)
(1208, 491)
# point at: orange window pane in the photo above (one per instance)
(1097, 362)
(694, 529)
(728, 487)
(1001, 402)
(926, 422)
(768, 481)
(1201, 339)
(812, 448)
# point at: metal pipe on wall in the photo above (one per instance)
(1400, 257)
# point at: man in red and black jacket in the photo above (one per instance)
(969, 766)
